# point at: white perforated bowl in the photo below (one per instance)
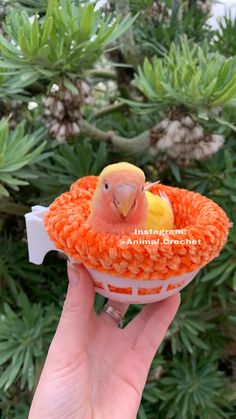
(136, 291)
(116, 288)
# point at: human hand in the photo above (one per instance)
(94, 369)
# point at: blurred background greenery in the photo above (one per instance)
(83, 84)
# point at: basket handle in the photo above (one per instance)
(39, 243)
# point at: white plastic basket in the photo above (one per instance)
(137, 291)
(116, 288)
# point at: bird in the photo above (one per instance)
(160, 213)
(122, 202)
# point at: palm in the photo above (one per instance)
(106, 374)
(119, 370)
(94, 370)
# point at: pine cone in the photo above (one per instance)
(12, 110)
(204, 5)
(155, 11)
(63, 110)
(184, 140)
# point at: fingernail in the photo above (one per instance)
(73, 275)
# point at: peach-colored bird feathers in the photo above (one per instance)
(122, 202)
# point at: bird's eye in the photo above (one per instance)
(142, 188)
(106, 185)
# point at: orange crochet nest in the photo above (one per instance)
(200, 217)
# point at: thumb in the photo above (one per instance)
(77, 310)
(80, 293)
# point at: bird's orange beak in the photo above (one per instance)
(124, 198)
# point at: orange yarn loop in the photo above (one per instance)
(201, 218)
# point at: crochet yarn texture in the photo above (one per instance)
(200, 218)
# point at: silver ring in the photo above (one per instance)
(117, 315)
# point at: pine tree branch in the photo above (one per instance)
(108, 109)
(103, 73)
(129, 48)
(129, 145)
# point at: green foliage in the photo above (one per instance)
(67, 164)
(225, 36)
(193, 388)
(9, 86)
(40, 282)
(137, 5)
(189, 387)
(215, 178)
(32, 5)
(67, 41)
(13, 407)
(156, 37)
(29, 5)
(17, 150)
(187, 330)
(188, 76)
(23, 334)
(193, 374)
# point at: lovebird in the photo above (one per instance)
(122, 202)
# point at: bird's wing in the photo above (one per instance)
(164, 196)
(150, 185)
(161, 194)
